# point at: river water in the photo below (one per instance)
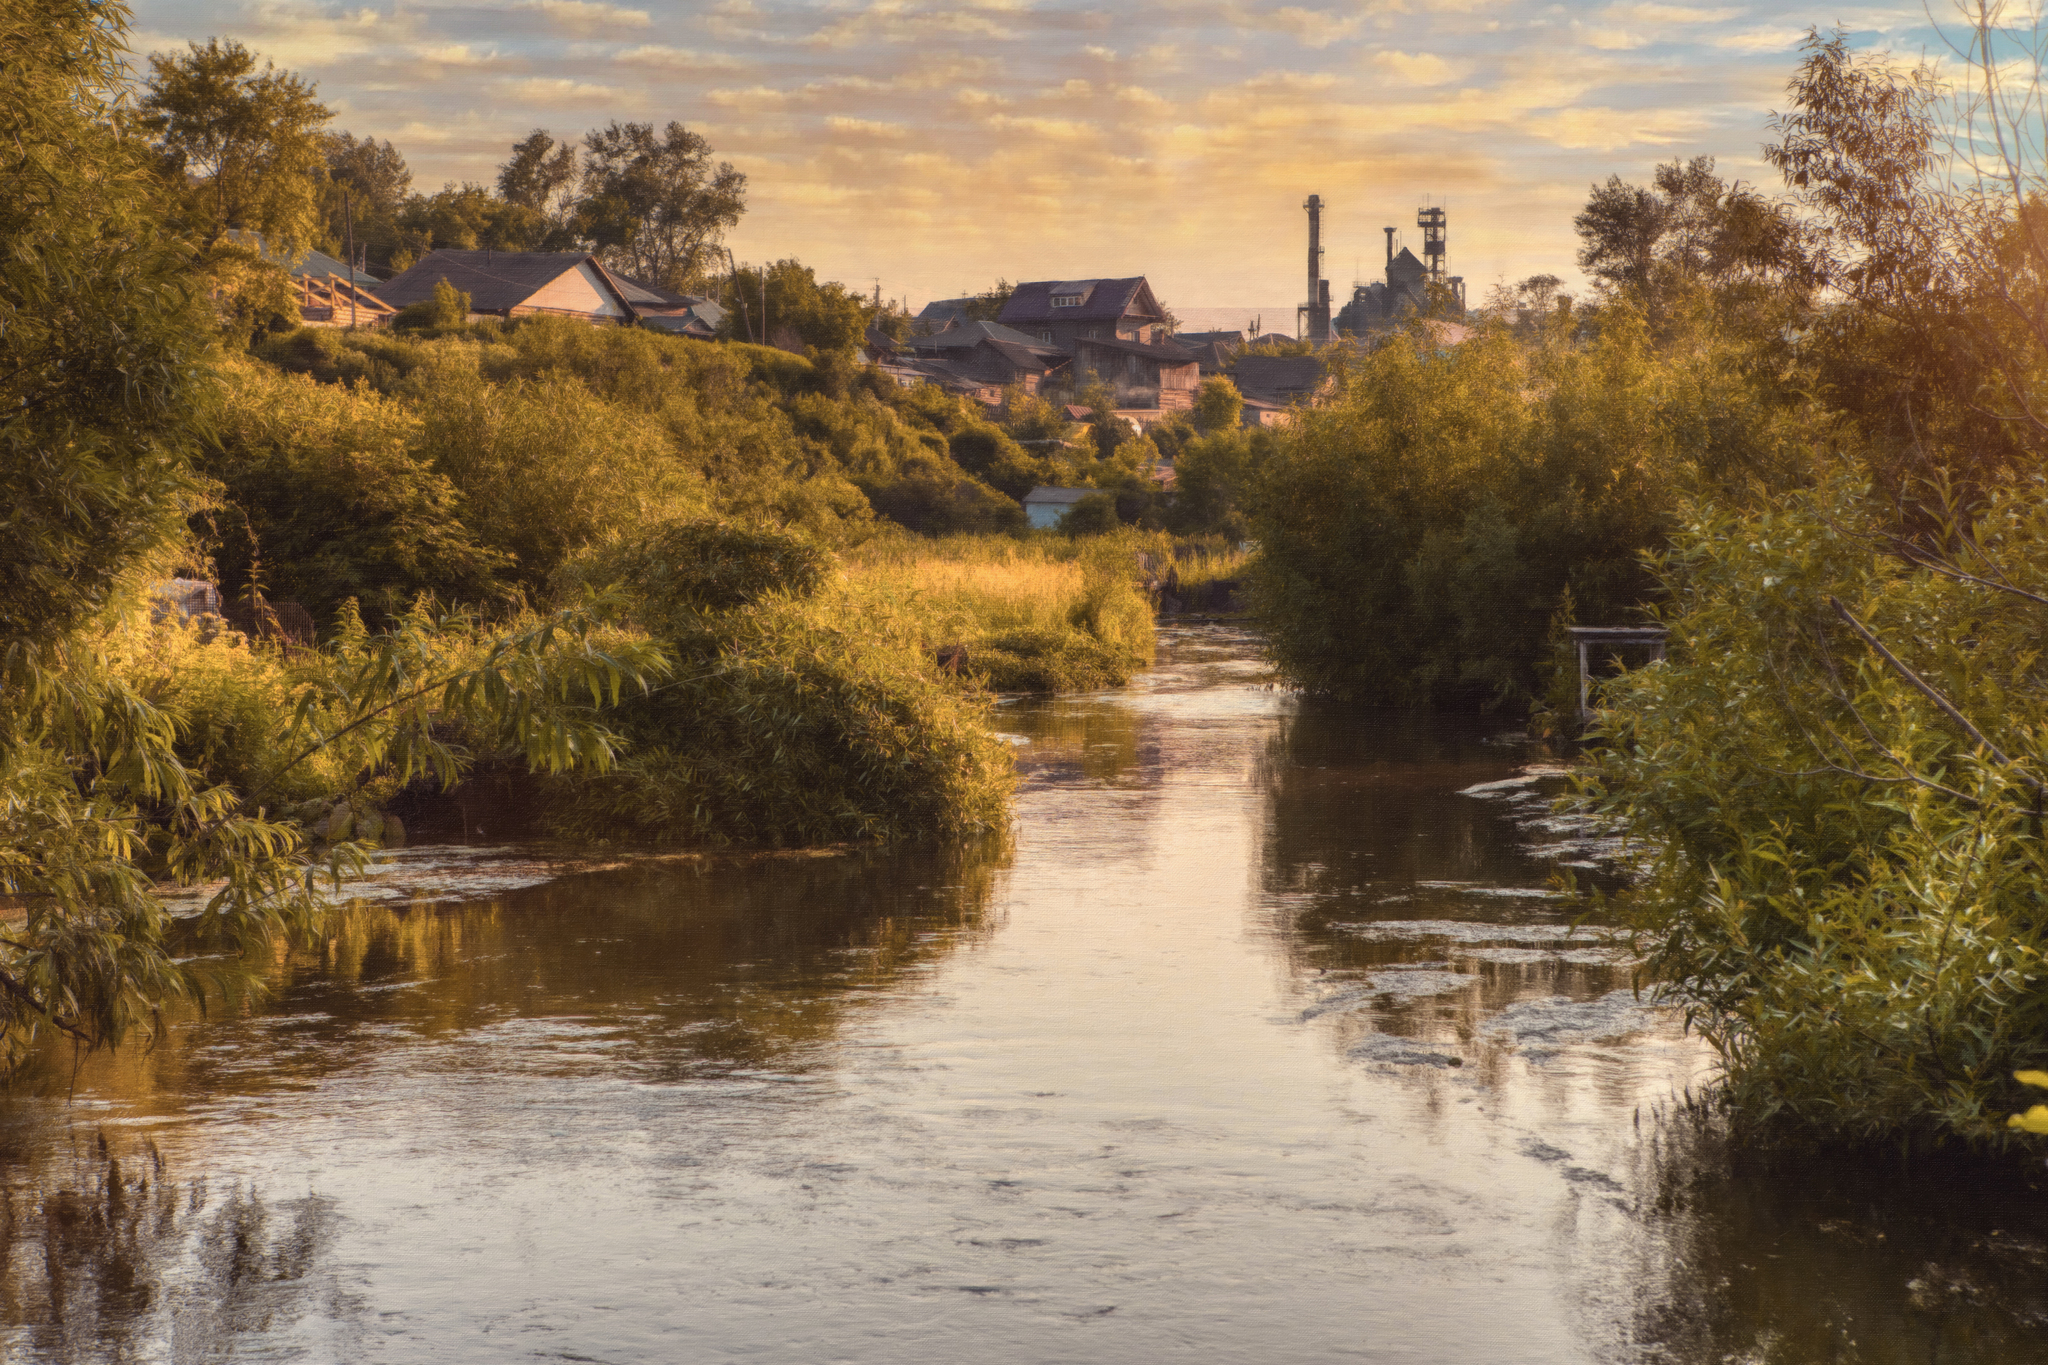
(1265, 1038)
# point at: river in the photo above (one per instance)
(1265, 1037)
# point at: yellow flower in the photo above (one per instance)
(2035, 1120)
(2039, 1078)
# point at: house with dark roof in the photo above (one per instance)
(1062, 312)
(942, 313)
(1214, 351)
(1142, 374)
(1281, 380)
(987, 352)
(511, 284)
(664, 310)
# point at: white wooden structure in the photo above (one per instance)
(1651, 638)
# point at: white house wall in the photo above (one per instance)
(576, 291)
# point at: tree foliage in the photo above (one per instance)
(1836, 778)
(99, 800)
(654, 203)
(240, 147)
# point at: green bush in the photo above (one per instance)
(327, 499)
(1844, 883)
(446, 311)
(1093, 515)
(1420, 531)
(797, 714)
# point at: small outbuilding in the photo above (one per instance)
(1043, 507)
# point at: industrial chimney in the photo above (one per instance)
(1317, 310)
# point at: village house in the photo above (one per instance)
(664, 310)
(330, 294)
(988, 352)
(1061, 312)
(511, 284)
(1143, 374)
(1214, 351)
(1281, 380)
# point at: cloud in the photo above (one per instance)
(1760, 40)
(1611, 39)
(1670, 14)
(1312, 28)
(894, 21)
(1609, 129)
(558, 93)
(865, 127)
(754, 98)
(1420, 68)
(584, 16)
(1052, 129)
(657, 57)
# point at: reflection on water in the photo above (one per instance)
(1270, 1038)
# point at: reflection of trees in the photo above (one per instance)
(1787, 1258)
(1106, 744)
(1362, 810)
(105, 1262)
(727, 961)
(1362, 805)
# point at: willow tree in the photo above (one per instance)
(103, 381)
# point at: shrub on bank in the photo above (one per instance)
(798, 712)
(1044, 614)
(1844, 884)
(1420, 532)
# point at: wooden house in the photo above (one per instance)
(510, 284)
(1060, 313)
(664, 310)
(1157, 374)
(988, 353)
(330, 294)
(1280, 380)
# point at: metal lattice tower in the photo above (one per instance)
(1431, 221)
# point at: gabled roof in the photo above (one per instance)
(1057, 497)
(640, 291)
(1165, 352)
(317, 264)
(1100, 300)
(1273, 375)
(962, 336)
(943, 311)
(1032, 358)
(494, 280)
(1406, 267)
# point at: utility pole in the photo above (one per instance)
(348, 220)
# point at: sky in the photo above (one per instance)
(938, 146)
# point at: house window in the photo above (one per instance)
(1066, 300)
(1045, 337)
(1132, 365)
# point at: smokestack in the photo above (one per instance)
(1317, 307)
(1315, 243)
(1390, 246)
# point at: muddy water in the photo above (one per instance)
(1264, 1039)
